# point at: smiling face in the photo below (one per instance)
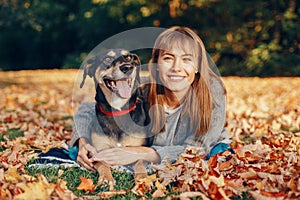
(177, 69)
(117, 73)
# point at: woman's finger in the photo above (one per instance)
(85, 164)
(90, 149)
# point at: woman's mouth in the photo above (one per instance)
(176, 78)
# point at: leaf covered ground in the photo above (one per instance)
(263, 118)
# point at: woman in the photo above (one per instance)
(186, 100)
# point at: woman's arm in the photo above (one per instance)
(127, 155)
(82, 126)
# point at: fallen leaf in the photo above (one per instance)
(110, 194)
(86, 185)
(38, 191)
(189, 195)
(12, 176)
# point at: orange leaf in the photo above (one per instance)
(272, 194)
(86, 185)
(224, 166)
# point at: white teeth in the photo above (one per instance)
(112, 84)
(176, 78)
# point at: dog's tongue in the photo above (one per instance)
(124, 89)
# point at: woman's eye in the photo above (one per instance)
(167, 58)
(188, 59)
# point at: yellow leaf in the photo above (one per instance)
(38, 190)
(12, 175)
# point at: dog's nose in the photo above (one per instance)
(126, 69)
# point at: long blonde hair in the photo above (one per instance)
(199, 101)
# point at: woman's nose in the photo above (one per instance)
(177, 65)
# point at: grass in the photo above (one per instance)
(11, 134)
(124, 181)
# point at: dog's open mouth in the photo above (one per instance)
(122, 87)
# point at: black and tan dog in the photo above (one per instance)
(121, 109)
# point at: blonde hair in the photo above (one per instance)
(199, 101)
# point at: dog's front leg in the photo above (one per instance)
(140, 170)
(105, 175)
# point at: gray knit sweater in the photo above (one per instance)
(177, 135)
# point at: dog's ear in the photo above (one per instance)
(137, 62)
(89, 69)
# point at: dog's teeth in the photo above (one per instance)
(113, 84)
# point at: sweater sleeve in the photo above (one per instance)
(82, 122)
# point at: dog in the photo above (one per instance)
(121, 108)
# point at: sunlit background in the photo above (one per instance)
(246, 38)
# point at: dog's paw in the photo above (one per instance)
(106, 178)
(140, 171)
(139, 176)
(105, 175)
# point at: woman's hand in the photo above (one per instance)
(85, 149)
(126, 155)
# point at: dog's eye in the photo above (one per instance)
(128, 58)
(107, 59)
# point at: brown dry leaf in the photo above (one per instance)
(189, 195)
(158, 193)
(218, 181)
(144, 185)
(249, 174)
(1, 174)
(61, 190)
(110, 194)
(225, 166)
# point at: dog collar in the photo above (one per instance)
(117, 112)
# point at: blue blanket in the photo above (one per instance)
(57, 157)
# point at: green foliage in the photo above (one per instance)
(247, 38)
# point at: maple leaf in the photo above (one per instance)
(86, 185)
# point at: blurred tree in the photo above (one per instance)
(246, 38)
